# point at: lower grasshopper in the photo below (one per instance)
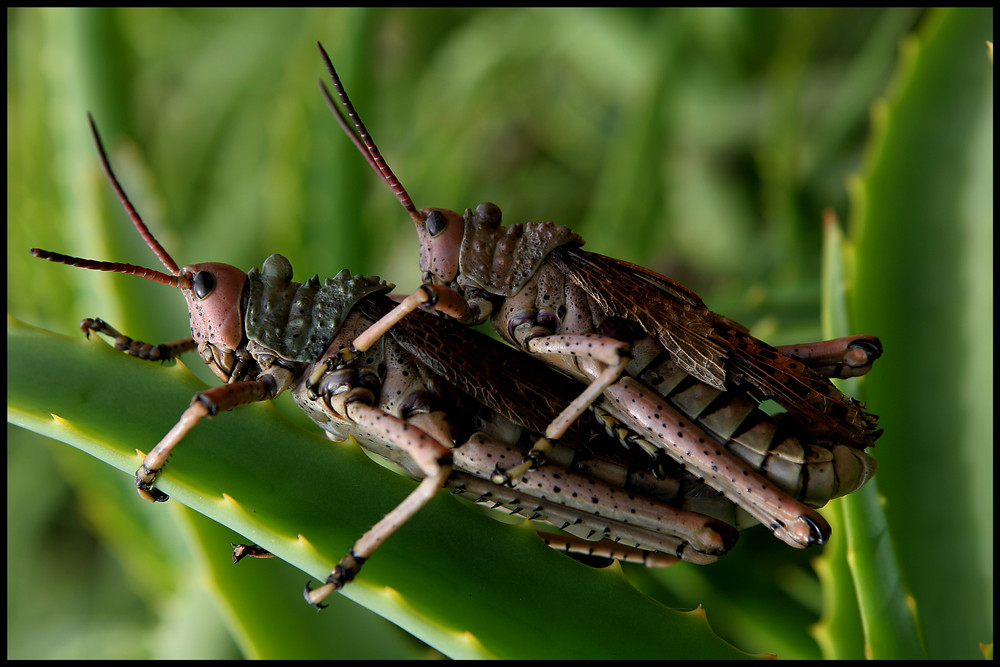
(623, 329)
(264, 334)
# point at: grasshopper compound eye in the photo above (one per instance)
(435, 223)
(203, 284)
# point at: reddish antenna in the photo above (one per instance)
(359, 135)
(174, 279)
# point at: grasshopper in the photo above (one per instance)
(429, 396)
(685, 378)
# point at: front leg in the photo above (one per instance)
(435, 297)
(207, 404)
(137, 348)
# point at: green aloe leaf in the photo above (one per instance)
(839, 632)
(451, 576)
(922, 226)
(885, 588)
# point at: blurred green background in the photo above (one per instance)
(704, 144)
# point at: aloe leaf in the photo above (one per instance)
(451, 576)
(877, 583)
(839, 631)
(922, 229)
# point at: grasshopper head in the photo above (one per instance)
(215, 313)
(214, 292)
(440, 233)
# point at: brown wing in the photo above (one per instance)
(514, 385)
(664, 308)
(713, 348)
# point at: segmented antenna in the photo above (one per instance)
(116, 267)
(140, 226)
(174, 279)
(359, 135)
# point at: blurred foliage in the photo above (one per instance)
(702, 143)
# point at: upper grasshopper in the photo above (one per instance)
(656, 353)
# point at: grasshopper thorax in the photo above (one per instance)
(297, 321)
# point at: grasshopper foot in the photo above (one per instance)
(144, 484)
(535, 459)
(500, 477)
(241, 551)
(313, 597)
(342, 575)
(728, 534)
(819, 532)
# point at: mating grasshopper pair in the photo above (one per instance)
(401, 395)
(655, 353)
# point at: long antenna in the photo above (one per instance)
(174, 279)
(144, 232)
(132, 269)
(359, 135)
